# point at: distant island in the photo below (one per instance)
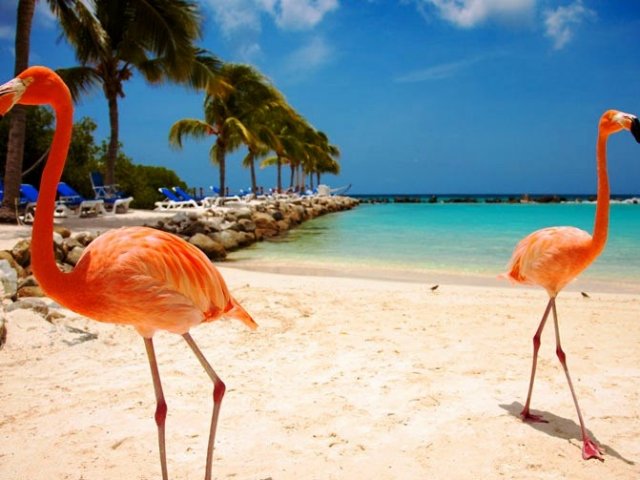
(490, 198)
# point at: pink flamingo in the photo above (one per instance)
(135, 276)
(554, 256)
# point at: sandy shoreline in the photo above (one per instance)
(425, 277)
(346, 378)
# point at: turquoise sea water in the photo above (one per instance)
(470, 239)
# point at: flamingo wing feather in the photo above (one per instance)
(152, 280)
(550, 257)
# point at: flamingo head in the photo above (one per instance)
(11, 93)
(32, 87)
(613, 121)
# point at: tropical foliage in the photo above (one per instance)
(85, 156)
(140, 181)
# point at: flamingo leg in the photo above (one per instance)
(218, 393)
(590, 449)
(526, 414)
(161, 405)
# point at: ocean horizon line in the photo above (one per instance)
(510, 198)
(471, 194)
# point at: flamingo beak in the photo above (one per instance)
(10, 94)
(635, 129)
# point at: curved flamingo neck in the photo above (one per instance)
(43, 262)
(601, 225)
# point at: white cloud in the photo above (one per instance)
(241, 23)
(249, 51)
(560, 23)
(469, 13)
(43, 18)
(315, 54)
(438, 72)
(235, 15)
(302, 14)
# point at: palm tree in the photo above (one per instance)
(234, 116)
(255, 149)
(296, 143)
(117, 36)
(284, 127)
(322, 156)
(15, 148)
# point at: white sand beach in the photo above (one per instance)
(346, 378)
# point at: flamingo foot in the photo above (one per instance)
(590, 449)
(527, 416)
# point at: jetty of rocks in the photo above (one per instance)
(215, 231)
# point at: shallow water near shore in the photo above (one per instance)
(424, 241)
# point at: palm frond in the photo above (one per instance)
(80, 80)
(189, 127)
(269, 162)
(235, 126)
(82, 29)
(168, 29)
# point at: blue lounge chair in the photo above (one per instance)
(26, 201)
(100, 189)
(112, 197)
(202, 201)
(70, 201)
(173, 202)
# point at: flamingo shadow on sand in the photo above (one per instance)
(560, 427)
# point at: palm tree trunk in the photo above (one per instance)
(252, 169)
(302, 176)
(279, 175)
(17, 127)
(293, 174)
(112, 149)
(220, 158)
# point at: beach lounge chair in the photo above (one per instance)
(114, 199)
(173, 202)
(27, 201)
(70, 201)
(100, 189)
(185, 196)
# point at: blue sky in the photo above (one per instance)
(421, 96)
